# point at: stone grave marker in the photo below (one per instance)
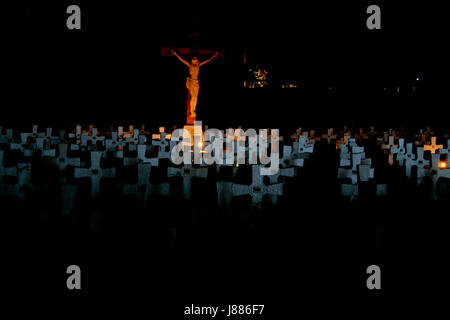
(432, 147)
(447, 150)
(95, 173)
(257, 189)
(187, 172)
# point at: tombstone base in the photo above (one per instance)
(191, 130)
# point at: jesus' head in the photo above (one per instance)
(194, 61)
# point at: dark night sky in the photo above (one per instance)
(112, 69)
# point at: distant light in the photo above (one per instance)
(442, 164)
(417, 78)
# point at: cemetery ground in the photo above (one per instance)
(312, 245)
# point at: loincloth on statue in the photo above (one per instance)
(192, 84)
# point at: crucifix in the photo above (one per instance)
(192, 81)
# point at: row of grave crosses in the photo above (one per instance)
(356, 168)
(98, 147)
(131, 148)
(84, 150)
(404, 156)
(435, 168)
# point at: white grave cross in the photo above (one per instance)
(257, 189)
(95, 173)
(432, 147)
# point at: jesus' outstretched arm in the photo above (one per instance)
(206, 61)
(179, 58)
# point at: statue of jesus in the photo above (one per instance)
(192, 82)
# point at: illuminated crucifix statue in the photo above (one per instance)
(192, 82)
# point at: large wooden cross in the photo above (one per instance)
(166, 52)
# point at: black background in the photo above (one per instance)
(112, 69)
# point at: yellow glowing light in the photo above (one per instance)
(200, 144)
(442, 164)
